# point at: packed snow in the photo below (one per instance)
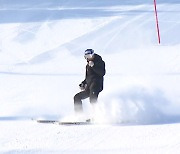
(42, 43)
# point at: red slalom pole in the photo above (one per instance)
(157, 25)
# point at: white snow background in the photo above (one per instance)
(41, 64)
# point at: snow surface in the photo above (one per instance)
(41, 64)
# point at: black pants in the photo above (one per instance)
(92, 92)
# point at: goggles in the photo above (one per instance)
(88, 56)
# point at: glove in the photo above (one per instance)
(91, 63)
(82, 86)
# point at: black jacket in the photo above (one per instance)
(94, 75)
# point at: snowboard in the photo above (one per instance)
(64, 122)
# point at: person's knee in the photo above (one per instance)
(76, 97)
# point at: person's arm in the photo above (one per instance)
(99, 68)
(84, 82)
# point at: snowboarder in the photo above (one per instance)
(93, 83)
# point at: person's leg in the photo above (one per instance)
(94, 92)
(93, 97)
(78, 100)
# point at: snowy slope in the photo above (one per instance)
(41, 64)
(35, 138)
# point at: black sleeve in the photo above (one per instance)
(99, 68)
(84, 82)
